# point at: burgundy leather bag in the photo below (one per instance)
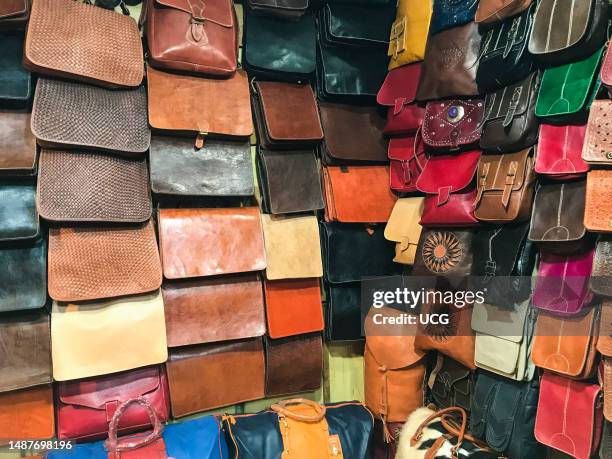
(453, 124)
(407, 159)
(559, 151)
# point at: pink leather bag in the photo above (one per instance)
(452, 124)
(406, 161)
(397, 93)
(559, 151)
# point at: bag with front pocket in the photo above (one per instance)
(559, 151)
(453, 124)
(406, 162)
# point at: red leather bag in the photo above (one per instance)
(559, 151)
(85, 407)
(397, 93)
(406, 161)
(453, 124)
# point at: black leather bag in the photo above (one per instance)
(444, 252)
(16, 85)
(286, 9)
(450, 384)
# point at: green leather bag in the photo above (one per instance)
(16, 89)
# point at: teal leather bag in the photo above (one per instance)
(16, 89)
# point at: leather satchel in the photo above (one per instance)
(287, 9)
(194, 36)
(569, 416)
(451, 13)
(406, 162)
(570, 33)
(220, 309)
(16, 82)
(453, 124)
(209, 242)
(17, 145)
(444, 252)
(25, 351)
(510, 123)
(601, 276)
(450, 384)
(508, 197)
(409, 32)
(27, 414)
(61, 42)
(403, 229)
(74, 115)
(598, 206)
(130, 330)
(19, 220)
(597, 149)
(191, 370)
(14, 14)
(559, 150)
(493, 11)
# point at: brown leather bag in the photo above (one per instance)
(17, 144)
(492, 11)
(14, 14)
(27, 414)
(598, 206)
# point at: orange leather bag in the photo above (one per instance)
(598, 205)
(604, 346)
(27, 414)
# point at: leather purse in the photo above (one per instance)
(444, 252)
(16, 83)
(18, 210)
(583, 22)
(453, 124)
(409, 32)
(293, 247)
(287, 9)
(353, 135)
(597, 150)
(451, 64)
(175, 104)
(220, 309)
(450, 384)
(598, 208)
(508, 197)
(131, 330)
(403, 229)
(89, 263)
(60, 42)
(451, 13)
(192, 36)
(223, 168)
(15, 14)
(208, 242)
(493, 11)
(569, 416)
(602, 267)
(17, 145)
(510, 123)
(191, 370)
(74, 115)
(27, 414)
(85, 408)
(559, 150)
(374, 202)
(406, 162)
(25, 353)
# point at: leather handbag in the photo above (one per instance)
(191, 370)
(85, 408)
(290, 181)
(602, 267)
(451, 64)
(493, 11)
(373, 203)
(192, 36)
(16, 83)
(27, 414)
(451, 13)
(406, 162)
(397, 93)
(504, 415)
(15, 14)
(293, 307)
(353, 135)
(293, 247)
(409, 32)
(25, 354)
(223, 168)
(287, 9)
(566, 345)
(17, 145)
(403, 229)
(60, 42)
(453, 124)
(569, 416)
(559, 150)
(510, 123)
(598, 208)
(221, 309)
(450, 384)
(208, 242)
(294, 364)
(74, 115)
(301, 429)
(18, 209)
(75, 186)
(508, 197)
(89, 263)
(444, 252)
(131, 330)
(584, 25)
(597, 150)
(176, 101)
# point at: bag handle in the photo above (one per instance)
(459, 433)
(113, 445)
(281, 408)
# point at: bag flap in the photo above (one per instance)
(502, 323)
(452, 375)
(567, 140)
(505, 402)
(489, 10)
(511, 101)
(400, 87)
(407, 148)
(449, 123)
(575, 19)
(445, 174)
(606, 69)
(602, 267)
(604, 343)
(12, 8)
(220, 12)
(403, 223)
(492, 352)
(393, 352)
(344, 23)
(497, 250)
(496, 172)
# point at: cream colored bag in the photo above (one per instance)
(293, 248)
(102, 337)
(403, 228)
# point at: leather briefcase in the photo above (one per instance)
(598, 206)
(192, 35)
(493, 11)
(444, 252)
(27, 414)
(85, 408)
(17, 145)
(74, 115)
(409, 32)
(16, 83)
(597, 149)
(403, 229)
(583, 22)
(353, 135)
(223, 168)
(451, 13)
(209, 242)
(406, 162)
(220, 309)
(61, 42)
(286, 9)
(510, 122)
(450, 384)
(18, 209)
(453, 124)
(559, 150)
(15, 14)
(602, 267)
(25, 354)
(191, 370)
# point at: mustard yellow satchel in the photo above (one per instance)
(409, 32)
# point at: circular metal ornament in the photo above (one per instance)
(455, 113)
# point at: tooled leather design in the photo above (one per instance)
(598, 209)
(442, 251)
(598, 140)
(442, 130)
(601, 277)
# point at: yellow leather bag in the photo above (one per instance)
(409, 32)
(403, 228)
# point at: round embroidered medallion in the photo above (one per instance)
(441, 252)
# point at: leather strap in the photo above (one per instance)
(281, 408)
(510, 179)
(459, 433)
(113, 444)
(482, 181)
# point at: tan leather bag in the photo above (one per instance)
(598, 205)
(492, 11)
(403, 228)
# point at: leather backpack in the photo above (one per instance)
(559, 151)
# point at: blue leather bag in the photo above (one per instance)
(451, 13)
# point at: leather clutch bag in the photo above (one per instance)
(287, 9)
(403, 229)
(406, 162)
(453, 124)
(373, 203)
(209, 310)
(17, 144)
(223, 168)
(353, 135)
(130, 330)
(176, 101)
(286, 115)
(559, 150)
(16, 84)
(28, 414)
(355, 25)
(451, 13)
(208, 242)
(88, 263)
(601, 276)
(192, 369)
(492, 11)
(84, 408)
(67, 114)
(450, 384)
(597, 149)
(444, 252)
(192, 36)
(19, 218)
(62, 43)
(15, 14)
(409, 32)
(598, 207)
(25, 354)
(293, 248)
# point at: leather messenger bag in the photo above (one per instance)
(27, 413)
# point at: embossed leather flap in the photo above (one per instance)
(453, 123)
(601, 277)
(218, 11)
(490, 11)
(606, 70)
(393, 352)
(437, 179)
(400, 87)
(598, 142)
(444, 252)
(568, 140)
(598, 207)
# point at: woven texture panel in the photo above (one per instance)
(79, 186)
